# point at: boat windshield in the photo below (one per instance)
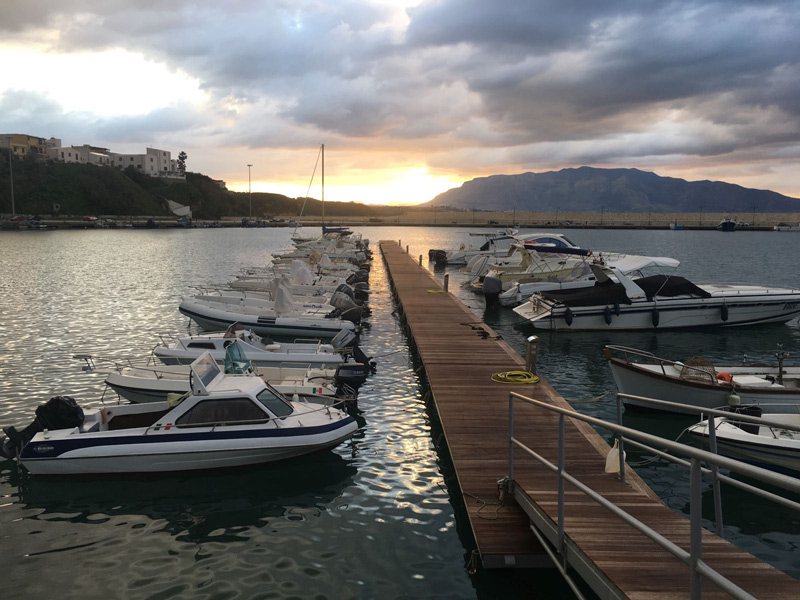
(274, 403)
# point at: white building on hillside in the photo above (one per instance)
(92, 155)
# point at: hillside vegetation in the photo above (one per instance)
(81, 189)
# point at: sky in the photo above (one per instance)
(413, 97)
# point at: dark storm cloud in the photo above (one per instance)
(510, 81)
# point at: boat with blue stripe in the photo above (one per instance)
(223, 421)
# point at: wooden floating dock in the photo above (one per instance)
(460, 353)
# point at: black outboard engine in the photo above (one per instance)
(346, 289)
(438, 257)
(60, 412)
(361, 291)
(492, 288)
(360, 276)
(352, 374)
(351, 314)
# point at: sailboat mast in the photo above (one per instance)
(323, 185)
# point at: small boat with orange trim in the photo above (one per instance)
(700, 383)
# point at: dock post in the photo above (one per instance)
(400, 243)
(406, 248)
(420, 260)
(446, 281)
(530, 353)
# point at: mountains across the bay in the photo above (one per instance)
(588, 189)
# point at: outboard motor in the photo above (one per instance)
(346, 289)
(60, 412)
(361, 291)
(438, 257)
(343, 302)
(351, 314)
(352, 374)
(360, 276)
(492, 288)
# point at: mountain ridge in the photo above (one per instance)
(591, 189)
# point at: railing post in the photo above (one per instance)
(561, 461)
(531, 352)
(446, 281)
(696, 525)
(712, 440)
(510, 440)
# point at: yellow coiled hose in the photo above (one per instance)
(517, 377)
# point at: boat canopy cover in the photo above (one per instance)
(236, 362)
(552, 248)
(601, 293)
(610, 292)
(669, 286)
(628, 263)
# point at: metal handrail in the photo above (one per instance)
(693, 558)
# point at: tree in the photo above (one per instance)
(182, 162)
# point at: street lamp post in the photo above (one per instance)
(249, 191)
(11, 174)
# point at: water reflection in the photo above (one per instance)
(194, 506)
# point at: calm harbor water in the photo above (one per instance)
(376, 518)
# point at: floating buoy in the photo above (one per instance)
(568, 316)
(607, 315)
(655, 317)
(724, 312)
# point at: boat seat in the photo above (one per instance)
(752, 381)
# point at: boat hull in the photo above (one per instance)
(759, 450)
(684, 313)
(142, 455)
(216, 320)
(639, 381)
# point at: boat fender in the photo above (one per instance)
(725, 376)
(724, 312)
(568, 316)
(616, 308)
(655, 317)
(607, 315)
(734, 399)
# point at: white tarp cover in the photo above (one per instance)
(627, 263)
(284, 304)
(302, 276)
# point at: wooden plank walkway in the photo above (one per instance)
(460, 354)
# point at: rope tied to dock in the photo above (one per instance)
(435, 291)
(515, 377)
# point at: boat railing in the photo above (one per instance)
(662, 362)
(668, 449)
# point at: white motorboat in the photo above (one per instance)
(658, 302)
(581, 276)
(223, 421)
(281, 318)
(497, 245)
(264, 352)
(769, 446)
(698, 383)
(155, 383)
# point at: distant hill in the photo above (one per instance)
(587, 189)
(81, 189)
